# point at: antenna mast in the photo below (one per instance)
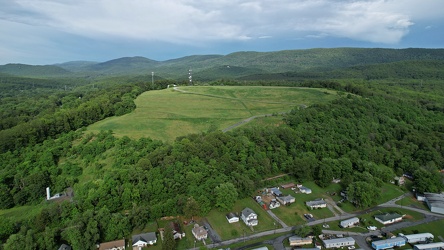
(190, 76)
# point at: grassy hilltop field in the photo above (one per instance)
(169, 113)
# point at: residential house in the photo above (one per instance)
(388, 243)
(349, 222)
(142, 240)
(249, 217)
(430, 246)
(199, 232)
(232, 218)
(388, 218)
(113, 245)
(319, 203)
(299, 241)
(286, 200)
(418, 238)
(339, 242)
(276, 192)
(274, 204)
(304, 190)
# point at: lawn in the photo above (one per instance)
(367, 219)
(167, 114)
(435, 228)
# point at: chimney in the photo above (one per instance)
(48, 195)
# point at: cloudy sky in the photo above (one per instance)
(54, 31)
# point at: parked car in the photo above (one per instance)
(372, 228)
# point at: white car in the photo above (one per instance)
(372, 228)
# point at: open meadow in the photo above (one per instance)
(169, 113)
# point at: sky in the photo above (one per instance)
(43, 32)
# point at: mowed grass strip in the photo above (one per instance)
(167, 114)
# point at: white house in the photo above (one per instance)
(430, 246)
(349, 222)
(249, 217)
(418, 238)
(320, 203)
(304, 190)
(143, 240)
(388, 218)
(199, 232)
(274, 204)
(339, 242)
(232, 218)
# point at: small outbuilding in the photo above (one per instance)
(232, 218)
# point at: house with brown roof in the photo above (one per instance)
(112, 245)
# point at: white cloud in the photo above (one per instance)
(202, 22)
(183, 21)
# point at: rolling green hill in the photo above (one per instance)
(167, 114)
(34, 70)
(211, 67)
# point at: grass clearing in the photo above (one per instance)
(167, 114)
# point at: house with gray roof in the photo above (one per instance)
(388, 218)
(435, 202)
(140, 241)
(249, 217)
(319, 203)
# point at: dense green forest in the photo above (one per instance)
(380, 127)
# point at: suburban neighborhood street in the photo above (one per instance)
(359, 237)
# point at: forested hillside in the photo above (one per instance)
(379, 128)
(214, 67)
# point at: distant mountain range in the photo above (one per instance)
(239, 65)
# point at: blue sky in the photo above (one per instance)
(55, 31)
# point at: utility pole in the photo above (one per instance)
(190, 76)
(152, 79)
